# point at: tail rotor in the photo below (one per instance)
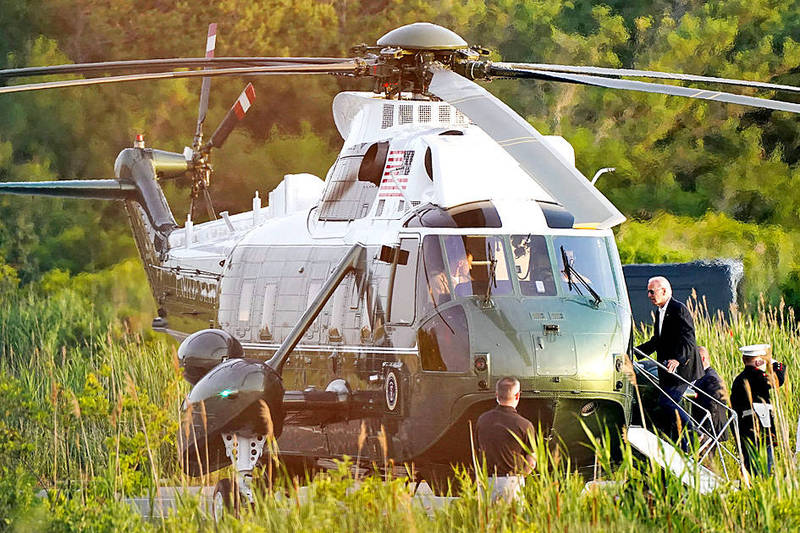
(199, 155)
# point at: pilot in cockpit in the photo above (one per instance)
(461, 272)
(438, 287)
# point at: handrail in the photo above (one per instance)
(732, 415)
(347, 264)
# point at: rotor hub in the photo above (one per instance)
(422, 36)
(401, 61)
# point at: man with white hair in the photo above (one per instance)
(674, 342)
(506, 440)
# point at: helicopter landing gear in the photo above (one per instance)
(223, 500)
(244, 453)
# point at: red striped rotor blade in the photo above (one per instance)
(232, 118)
(205, 89)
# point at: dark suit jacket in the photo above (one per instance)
(675, 341)
(714, 386)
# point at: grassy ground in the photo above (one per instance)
(89, 407)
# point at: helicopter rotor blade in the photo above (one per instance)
(158, 65)
(622, 72)
(560, 179)
(641, 86)
(205, 89)
(232, 118)
(348, 67)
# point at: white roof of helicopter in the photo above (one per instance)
(466, 166)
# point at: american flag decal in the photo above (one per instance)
(395, 174)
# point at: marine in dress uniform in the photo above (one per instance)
(750, 398)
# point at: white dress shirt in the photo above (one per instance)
(661, 312)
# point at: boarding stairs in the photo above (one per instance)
(689, 468)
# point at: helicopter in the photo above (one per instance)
(370, 314)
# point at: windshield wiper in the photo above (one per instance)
(570, 271)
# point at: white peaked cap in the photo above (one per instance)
(754, 350)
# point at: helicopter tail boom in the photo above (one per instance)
(89, 189)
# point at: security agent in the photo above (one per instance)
(501, 433)
(750, 398)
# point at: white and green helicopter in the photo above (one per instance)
(371, 313)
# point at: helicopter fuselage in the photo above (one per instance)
(462, 283)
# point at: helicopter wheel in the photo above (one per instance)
(224, 500)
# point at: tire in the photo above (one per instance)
(224, 500)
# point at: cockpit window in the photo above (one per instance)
(532, 265)
(589, 257)
(432, 281)
(477, 265)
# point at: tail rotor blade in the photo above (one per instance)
(211, 43)
(232, 118)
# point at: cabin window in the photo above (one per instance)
(433, 287)
(532, 265)
(402, 309)
(345, 193)
(336, 305)
(245, 300)
(268, 312)
(477, 265)
(589, 257)
(444, 341)
(471, 215)
(313, 290)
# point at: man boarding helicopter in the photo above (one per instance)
(333, 283)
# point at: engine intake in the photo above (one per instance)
(203, 350)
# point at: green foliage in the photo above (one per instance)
(675, 156)
(770, 253)
(18, 502)
(95, 420)
(80, 512)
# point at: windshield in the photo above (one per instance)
(589, 257)
(475, 261)
(532, 265)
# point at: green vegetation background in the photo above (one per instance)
(696, 179)
(89, 398)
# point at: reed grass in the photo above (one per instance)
(88, 413)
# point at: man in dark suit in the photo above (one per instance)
(674, 342)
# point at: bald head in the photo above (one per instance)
(507, 390)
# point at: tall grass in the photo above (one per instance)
(89, 412)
